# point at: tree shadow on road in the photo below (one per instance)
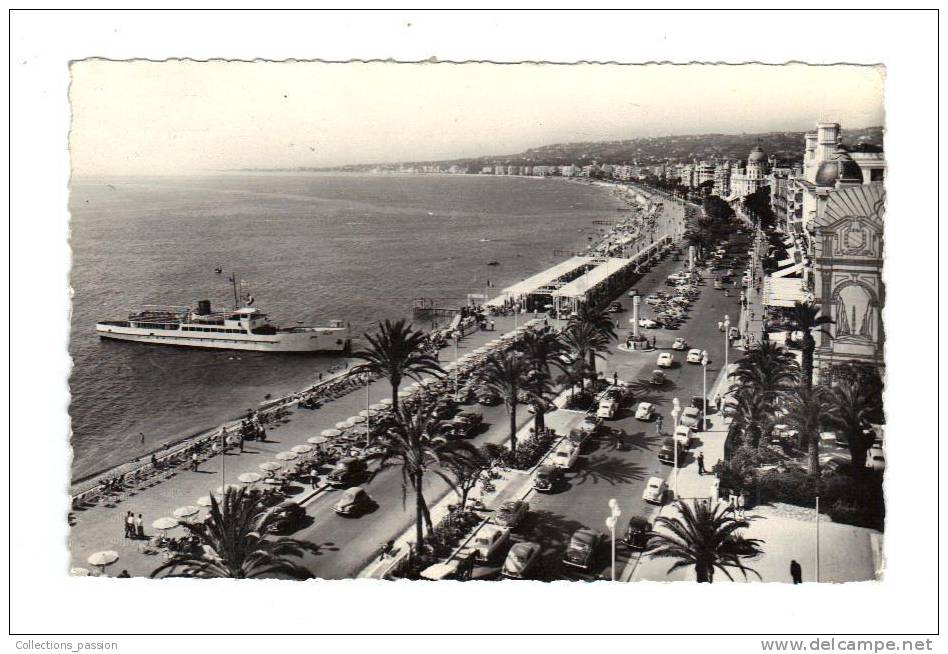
(608, 469)
(552, 532)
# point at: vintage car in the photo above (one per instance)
(607, 409)
(347, 472)
(581, 550)
(289, 517)
(657, 378)
(578, 437)
(353, 501)
(690, 418)
(589, 424)
(520, 560)
(665, 360)
(694, 355)
(488, 541)
(654, 492)
(645, 411)
(509, 514)
(637, 534)
(564, 456)
(667, 452)
(547, 478)
(679, 344)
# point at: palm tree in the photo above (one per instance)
(396, 352)
(767, 368)
(852, 405)
(806, 413)
(598, 322)
(705, 537)
(541, 347)
(574, 374)
(585, 341)
(754, 415)
(413, 446)
(235, 543)
(507, 374)
(806, 317)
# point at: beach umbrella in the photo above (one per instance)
(249, 477)
(102, 559)
(78, 572)
(165, 524)
(387, 401)
(342, 425)
(404, 394)
(270, 465)
(301, 449)
(220, 490)
(330, 433)
(286, 456)
(272, 480)
(185, 511)
(378, 406)
(365, 413)
(318, 440)
(204, 501)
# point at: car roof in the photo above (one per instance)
(584, 535)
(654, 481)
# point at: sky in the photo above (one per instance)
(144, 117)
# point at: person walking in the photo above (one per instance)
(139, 527)
(130, 525)
(124, 575)
(796, 572)
(241, 441)
(194, 461)
(720, 326)
(313, 477)
(615, 378)
(141, 435)
(700, 463)
(740, 505)
(717, 403)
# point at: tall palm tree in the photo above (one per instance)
(767, 368)
(412, 445)
(705, 537)
(396, 352)
(806, 413)
(598, 322)
(235, 544)
(806, 317)
(507, 374)
(542, 348)
(586, 343)
(754, 415)
(852, 405)
(574, 374)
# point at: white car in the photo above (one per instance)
(694, 356)
(647, 323)
(690, 418)
(654, 492)
(653, 300)
(589, 425)
(665, 360)
(683, 436)
(565, 456)
(644, 411)
(607, 409)
(488, 540)
(679, 344)
(875, 459)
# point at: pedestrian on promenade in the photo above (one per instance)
(313, 477)
(194, 461)
(124, 575)
(615, 378)
(142, 436)
(796, 572)
(740, 505)
(658, 425)
(139, 527)
(129, 525)
(700, 463)
(717, 402)
(241, 442)
(720, 326)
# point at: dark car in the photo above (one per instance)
(469, 423)
(698, 402)
(582, 548)
(667, 454)
(578, 437)
(488, 397)
(289, 517)
(546, 478)
(509, 514)
(445, 409)
(637, 534)
(348, 472)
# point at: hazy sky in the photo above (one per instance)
(143, 117)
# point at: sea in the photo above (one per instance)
(310, 247)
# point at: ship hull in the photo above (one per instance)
(306, 340)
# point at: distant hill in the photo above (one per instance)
(786, 146)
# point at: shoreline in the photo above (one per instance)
(618, 194)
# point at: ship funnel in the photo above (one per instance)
(204, 307)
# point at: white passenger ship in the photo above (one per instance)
(243, 328)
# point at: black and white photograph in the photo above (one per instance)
(597, 326)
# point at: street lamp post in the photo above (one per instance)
(704, 389)
(676, 410)
(368, 411)
(611, 521)
(457, 350)
(727, 342)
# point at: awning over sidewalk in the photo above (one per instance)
(538, 281)
(579, 287)
(792, 269)
(783, 292)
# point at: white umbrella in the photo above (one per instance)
(249, 477)
(286, 456)
(378, 406)
(330, 433)
(365, 413)
(318, 440)
(185, 511)
(78, 572)
(342, 425)
(355, 420)
(270, 465)
(404, 394)
(102, 559)
(204, 501)
(164, 524)
(302, 449)
(387, 401)
(272, 480)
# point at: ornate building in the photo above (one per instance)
(847, 267)
(747, 179)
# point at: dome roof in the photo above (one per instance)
(757, 155)
(841, 168)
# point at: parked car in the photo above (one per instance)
(509, 514)
(665, 360)
(698, 402)
(547, 478)
(875, 459)
(488, 541)
(488, 397)
(690, 418)
(520, 560)
(637, 534)
(615, 307)
(667, 452)
(657, 378)
(578, 437)
(347, 472)
(289, 517)
(679, 344)
(589, 424)
(647, 323)
(581, 550)
(654, 492)
(653, 300)
(694, 355)
(645, 411)
(469, 422)
(353, 501)
(565, 455)
(682, 436)
(607, 409)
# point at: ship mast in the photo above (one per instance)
(233, 280)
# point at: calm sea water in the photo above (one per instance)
(312, 247)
